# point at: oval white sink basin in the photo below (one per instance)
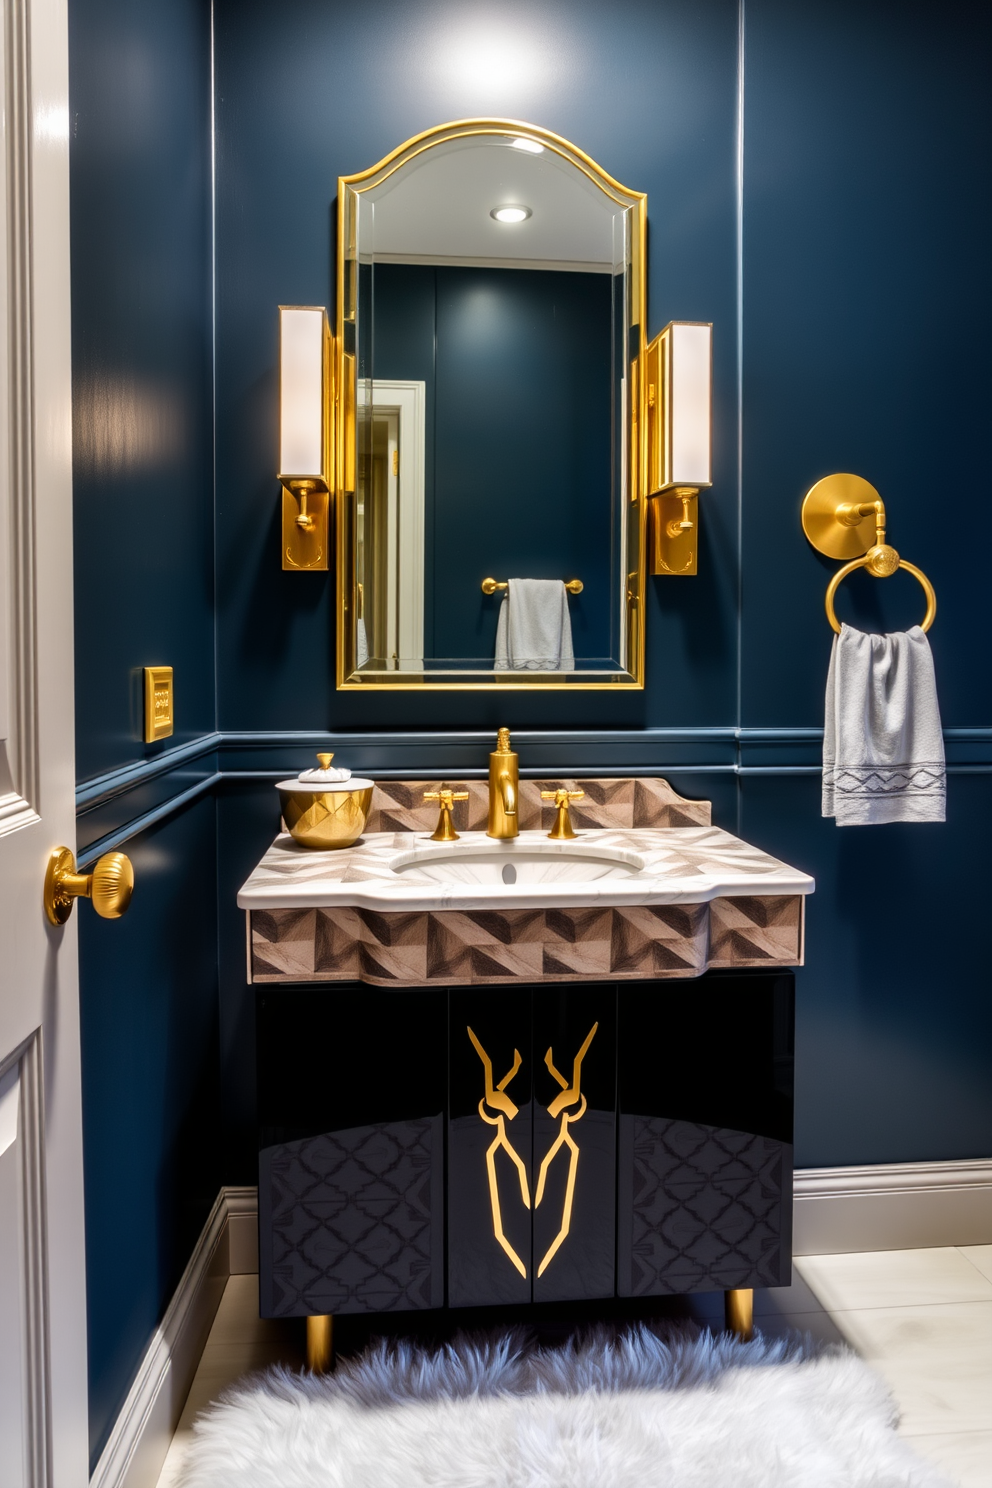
(515, 862)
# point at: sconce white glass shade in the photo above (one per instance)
(301, 392)
(690, 378)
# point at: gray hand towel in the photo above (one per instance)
(883, 750)
(534, 629)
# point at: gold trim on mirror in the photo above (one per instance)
(631, 581)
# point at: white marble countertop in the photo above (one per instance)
(681, 865)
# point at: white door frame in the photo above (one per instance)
(39, 1012)
(408, 401)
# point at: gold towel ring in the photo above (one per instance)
(881, 561)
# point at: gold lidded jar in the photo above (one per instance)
(325, 808)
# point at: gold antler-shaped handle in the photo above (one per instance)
(445, 830)
(562, 829)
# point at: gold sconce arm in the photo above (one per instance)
(562, 829)
(675, 527)
(445, 829)
(109, 886)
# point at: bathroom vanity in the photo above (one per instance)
(570, 1081)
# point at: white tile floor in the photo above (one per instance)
(923, 1318)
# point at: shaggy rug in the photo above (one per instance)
(634, 1410)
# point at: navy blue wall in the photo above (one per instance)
(865, 306)
(142, 436)
(845, 273)
(649, 90)
(143, 484)
(148, 988)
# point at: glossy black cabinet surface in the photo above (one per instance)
(704, 1194)
(352, 1101)
(509, 1145)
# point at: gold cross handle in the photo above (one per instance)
(445, 830)
(562, 829)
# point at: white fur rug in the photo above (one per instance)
(605, 1411)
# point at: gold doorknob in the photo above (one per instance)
(109, 886)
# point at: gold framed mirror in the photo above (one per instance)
(489, 416)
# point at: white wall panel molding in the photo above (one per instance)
(25, 1439)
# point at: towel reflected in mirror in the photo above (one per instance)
(534, 629)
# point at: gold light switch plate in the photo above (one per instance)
(159, 718)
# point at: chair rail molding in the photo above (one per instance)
(118, 805)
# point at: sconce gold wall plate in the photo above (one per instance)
(828, 534)
(159, 718)
(674, 548)
(305, 543)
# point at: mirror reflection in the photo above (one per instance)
(490, 321)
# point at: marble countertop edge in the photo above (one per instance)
(289, 877)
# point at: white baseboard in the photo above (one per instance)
(242, 1230)
(139, 1441)
(892, 1206)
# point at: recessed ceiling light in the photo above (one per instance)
(530, 145)
(510, 214)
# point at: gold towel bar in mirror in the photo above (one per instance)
(489, 586)
(844, 517)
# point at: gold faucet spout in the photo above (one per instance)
(508, 792)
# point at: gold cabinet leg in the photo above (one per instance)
(738, 1312)
(320, 1343)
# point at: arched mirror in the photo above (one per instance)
(488, 398)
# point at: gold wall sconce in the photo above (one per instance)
(679, 378)
(304, 435)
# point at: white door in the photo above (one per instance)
(43, 1426)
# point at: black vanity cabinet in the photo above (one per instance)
(518, 1144)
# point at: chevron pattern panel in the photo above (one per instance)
(399, 805)
(700, 1208)
(351, 1221)
(541, 945)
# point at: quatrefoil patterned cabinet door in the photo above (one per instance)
(704, 1175)
(352, 1092)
